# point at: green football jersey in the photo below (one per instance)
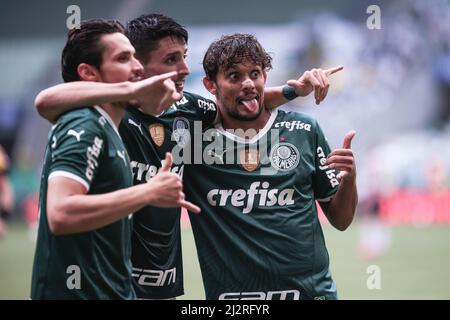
(258, 235)
(86, 147)
(156, 240)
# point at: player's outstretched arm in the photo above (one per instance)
(54, 101)
(341, 209)
(316, 80)
(154, 94)
(157, 93)
(71, 210)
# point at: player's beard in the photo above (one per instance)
(237, 116)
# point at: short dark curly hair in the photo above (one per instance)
(145, 32)
(232, 49)
(83, 46)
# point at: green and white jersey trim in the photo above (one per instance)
(70, 175)
(108, 118)
(254, 139)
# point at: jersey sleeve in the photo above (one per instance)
(325, 183)
(205, 109)
(76, 148)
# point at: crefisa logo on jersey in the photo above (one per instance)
(180, 131)
(92, 154)
(284, 156)
(156, 131)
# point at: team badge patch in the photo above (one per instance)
(180, 131)
(156, 131)
(284, 156)
(249, 158)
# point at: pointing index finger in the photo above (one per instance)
(331, 71)
(164, 76)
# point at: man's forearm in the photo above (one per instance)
(341, 209)
(54, 101)
(81, 213)
(273, 97)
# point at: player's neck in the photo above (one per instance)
(115, 111)
(257, 124)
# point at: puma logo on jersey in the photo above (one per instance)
(121, 154)
(92, 154)
(218, 155)
(139, 126)
(246, 198)
(77, 135)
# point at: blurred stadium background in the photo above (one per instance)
(394, 91)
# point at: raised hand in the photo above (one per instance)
(343, 159)
(167, 188)
(314, 79)
(155, 94)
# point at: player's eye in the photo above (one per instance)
(123, 58)
(171, 60)
(255, 74)
(233, 76)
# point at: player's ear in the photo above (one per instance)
(210, 85)
(87, 72)
(265, 75)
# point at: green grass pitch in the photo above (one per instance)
(417, 266)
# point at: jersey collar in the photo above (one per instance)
(108, 118)
(261, 133)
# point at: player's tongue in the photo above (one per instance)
(250, 105)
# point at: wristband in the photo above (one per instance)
(289, 92)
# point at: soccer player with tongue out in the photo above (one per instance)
(258, 236)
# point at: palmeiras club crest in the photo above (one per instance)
(284, 156)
